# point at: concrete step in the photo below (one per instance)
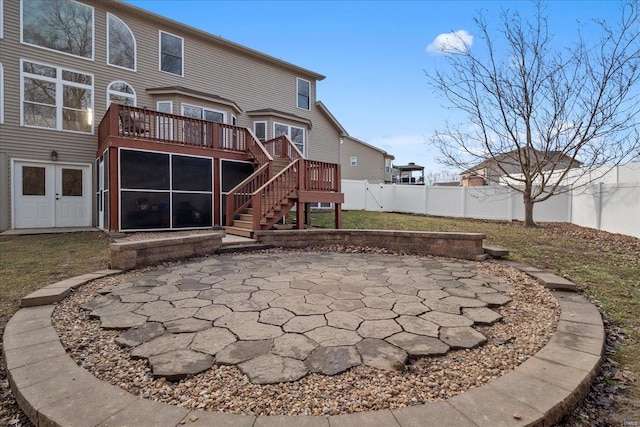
(495, 252)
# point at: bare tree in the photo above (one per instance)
(536, 111)
(433, 178)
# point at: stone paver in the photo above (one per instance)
(272, 369)
(333, 360)
(248, 310)
(55, 391)
(381, 355)
(462, 337)
(177, 364)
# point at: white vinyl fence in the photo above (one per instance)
(610, 207)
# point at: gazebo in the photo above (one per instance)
(404, 174)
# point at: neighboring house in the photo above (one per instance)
(115, 117)
(362, 161)
(491, 170)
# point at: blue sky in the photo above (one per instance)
(374, 53)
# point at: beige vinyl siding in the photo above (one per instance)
(250, 79)
(370, 161)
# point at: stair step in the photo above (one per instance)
(239, 231)
(243, 224)
(246, 217)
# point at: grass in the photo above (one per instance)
(604, 266)
(28, 263)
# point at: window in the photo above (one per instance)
(197, 132)
(304, 89)
(121, 93)
(56, 98)
(164, 106)
(295, 134)
(387, 166)
(203, 113)
(121, 45)
(62, 25)
(260, 130)
(354, 161)
(171, 54)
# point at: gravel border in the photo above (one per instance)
(528, 322)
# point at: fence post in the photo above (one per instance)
(464, 202)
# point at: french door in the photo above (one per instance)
(51, 195)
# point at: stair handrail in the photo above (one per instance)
(258, 150)
(273, 193)
(282, 147)
(240, 196)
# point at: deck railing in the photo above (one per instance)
(139, 123)
(321, 176)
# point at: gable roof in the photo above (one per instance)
(384, 153)
(331, 117)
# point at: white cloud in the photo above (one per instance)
(449, 43)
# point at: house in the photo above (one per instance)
(404, 174)
(491, 170)
(362, 161)
(115, 117)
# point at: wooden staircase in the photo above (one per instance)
(281, 182)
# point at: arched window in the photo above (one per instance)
(121, 93)
(121, 45)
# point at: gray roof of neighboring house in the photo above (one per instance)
(510, 158)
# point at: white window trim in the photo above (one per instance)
(160, 53)
(354, 161)
(224, 113)
(109, 92)
(135, 45)
(2, 20)
(304, 134)
(266, 129)
(93, 35)
(58, 80)
(298, 80)
(164, 102)
(1, 89)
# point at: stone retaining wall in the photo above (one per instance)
(140, 253)
(456, 245)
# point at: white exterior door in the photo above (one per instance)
(51, 195)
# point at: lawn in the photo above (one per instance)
(28, 263)
(605, 266)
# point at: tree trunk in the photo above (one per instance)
(528, 208)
